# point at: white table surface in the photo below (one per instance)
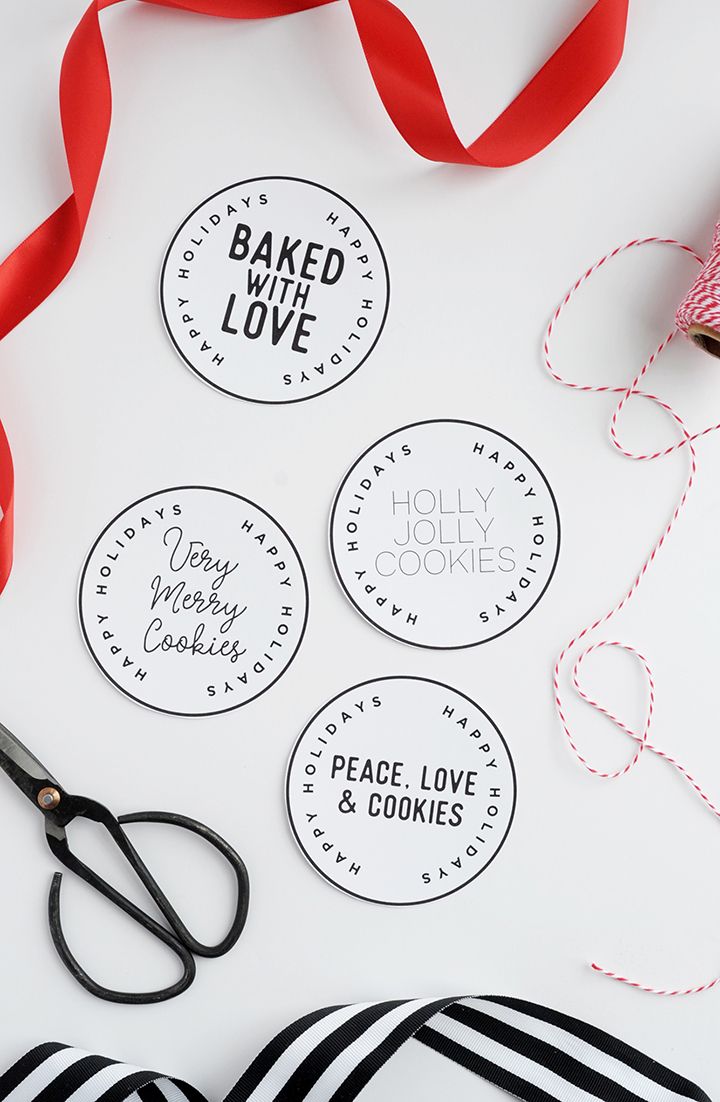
(100, 411)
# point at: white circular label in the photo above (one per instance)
(400, 790)
(444, 534)
(193, 601)
(274, 289)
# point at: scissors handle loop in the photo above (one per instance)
(178, 938)
(107, 993)
(197, 948)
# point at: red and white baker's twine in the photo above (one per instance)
(701, 305)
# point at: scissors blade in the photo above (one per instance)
(21, 766)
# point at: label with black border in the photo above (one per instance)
(274, 290)
(400, 790)
(193, 601)
(444, 534)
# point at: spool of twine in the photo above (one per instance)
(698, 315)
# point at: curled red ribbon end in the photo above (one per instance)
(405, 80)
(6, 508)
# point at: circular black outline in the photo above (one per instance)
(167, 711)
(265, 401)
(405, 428)
(362, 685)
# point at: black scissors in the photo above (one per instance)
(60, 808)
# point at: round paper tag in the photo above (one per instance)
(274, 290)
(193, 601)
(400, 790)
(444, 534)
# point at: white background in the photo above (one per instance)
(100, 411)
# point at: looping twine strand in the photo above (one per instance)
(689, 310)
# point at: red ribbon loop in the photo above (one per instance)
(408, 87)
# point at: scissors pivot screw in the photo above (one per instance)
(48, 798)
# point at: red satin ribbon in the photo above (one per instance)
(408, 87)
(7, 491)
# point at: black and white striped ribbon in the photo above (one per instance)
(535, 1054)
